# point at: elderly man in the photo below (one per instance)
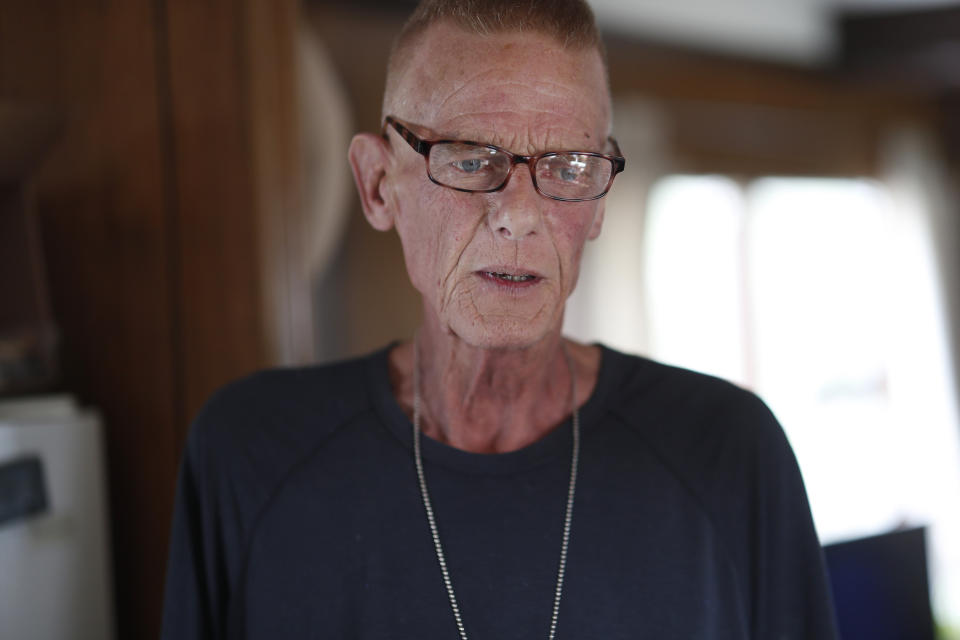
(489, 478)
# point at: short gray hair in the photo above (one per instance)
(569, 22)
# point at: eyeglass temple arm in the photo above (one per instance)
(619, 160)
(418, 145)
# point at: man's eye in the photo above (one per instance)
(570, 174)
(470, 165)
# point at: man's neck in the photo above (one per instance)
(491, 400)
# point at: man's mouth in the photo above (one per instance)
(509, 277)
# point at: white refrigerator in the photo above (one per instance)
(55, 571)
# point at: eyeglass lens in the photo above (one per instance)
(569, 176)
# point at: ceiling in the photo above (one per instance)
(801, 32)
(797, 31)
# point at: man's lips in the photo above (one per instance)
(509, 275)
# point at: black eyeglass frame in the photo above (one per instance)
(423, 147)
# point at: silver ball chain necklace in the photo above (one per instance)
(428, 506)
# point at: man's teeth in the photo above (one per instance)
(511, 278)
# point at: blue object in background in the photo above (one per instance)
(880, 587)
(23, 492)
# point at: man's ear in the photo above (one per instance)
(369, 159)
(597, 221)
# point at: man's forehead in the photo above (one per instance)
(467, 83)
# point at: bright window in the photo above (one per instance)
(820, 295)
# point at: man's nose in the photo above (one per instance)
(516, 211)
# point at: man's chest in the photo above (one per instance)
(331, 561)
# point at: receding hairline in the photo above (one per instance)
(569, 23)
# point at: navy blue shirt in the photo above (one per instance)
(298, 516)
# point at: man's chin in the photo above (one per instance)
(504, 333)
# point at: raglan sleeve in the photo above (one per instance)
(218, 488)
(790, 590)
(194, 594)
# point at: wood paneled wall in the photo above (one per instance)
(151, 213)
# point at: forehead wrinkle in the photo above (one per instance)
(547, 89)
(539, 97)
(438, 80)
(529, 140)
(536, 84)
(534, 90)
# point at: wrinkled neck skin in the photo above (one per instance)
(486, 400)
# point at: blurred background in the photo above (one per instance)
(176, 210)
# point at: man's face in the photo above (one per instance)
(521, 92)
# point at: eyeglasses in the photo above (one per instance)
(570, 176)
